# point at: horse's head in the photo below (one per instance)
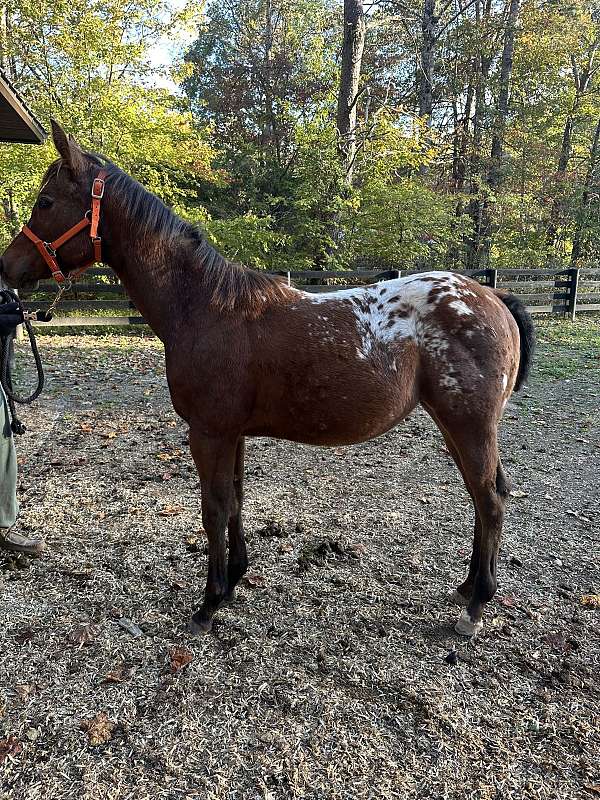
(63, 200)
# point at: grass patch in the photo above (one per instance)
(566, 348)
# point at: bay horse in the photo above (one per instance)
(248, 355)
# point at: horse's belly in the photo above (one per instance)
(332, 411)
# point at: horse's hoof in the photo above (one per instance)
(467, 626)
(457, 598)
(198, 627)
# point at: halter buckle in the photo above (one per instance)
(49, 249)
(98, 188)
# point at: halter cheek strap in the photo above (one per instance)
(48, 250)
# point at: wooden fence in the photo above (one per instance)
(103, 301)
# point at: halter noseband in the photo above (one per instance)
(92, 218)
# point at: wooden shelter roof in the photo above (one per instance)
(17, 123)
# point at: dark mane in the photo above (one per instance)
(232, 286)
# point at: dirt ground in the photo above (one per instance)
(336, 673)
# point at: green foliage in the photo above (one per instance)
(87, 65)
(248, 239)
(247, 146)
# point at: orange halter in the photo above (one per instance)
(92, 218)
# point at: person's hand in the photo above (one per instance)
(10, 316)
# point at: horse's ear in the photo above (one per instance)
(68, 148)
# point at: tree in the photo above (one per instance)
(353, 43)
(496, 172)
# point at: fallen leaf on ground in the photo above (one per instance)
(193, 544)
(99, 729)
(9, 747)
(356, 550)
(84, 635)
(508, 602)
(130, 627)
(590, 600)
(171, 511)
(255, 580)
(180, 658)
(577, 515)
(117, 675)
(25, 690)
(518, 493)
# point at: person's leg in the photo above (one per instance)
(9, 505)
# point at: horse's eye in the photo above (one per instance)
(45, 202)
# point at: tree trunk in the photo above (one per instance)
(482, 68)
(475, 203)
(352, 52)
(561, 174)
(461, 146)
(425, 70)
(462, 127)
(579, 236)
(495, 176)
(269, 137)
(495, 173)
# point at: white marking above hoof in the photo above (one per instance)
(467, 626)
(457, 598)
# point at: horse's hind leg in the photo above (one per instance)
(238, 559)
(462, 594)
(474, 447)
(483, 473)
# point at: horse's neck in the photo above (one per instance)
(160, 282)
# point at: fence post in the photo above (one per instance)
(492, 278)
(573, 273)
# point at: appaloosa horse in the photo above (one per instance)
(247, 355)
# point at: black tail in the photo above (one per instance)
(527, 334)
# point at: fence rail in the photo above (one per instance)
(567, 291)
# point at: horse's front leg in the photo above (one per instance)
(215, 461)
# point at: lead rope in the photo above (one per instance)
(16, 426)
